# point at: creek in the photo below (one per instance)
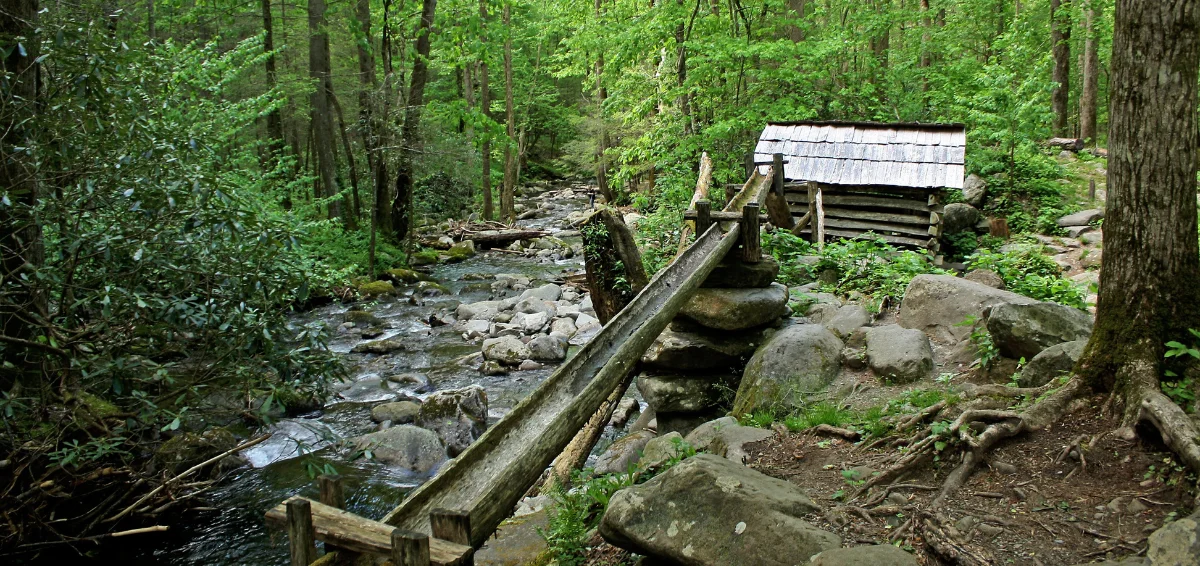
(230, 529)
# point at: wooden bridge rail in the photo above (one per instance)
(345, 533)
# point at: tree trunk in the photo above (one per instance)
(613, 263)
(485, 106)
(20, 234)
(352, 218)
(410, 136)
(602, 138)
(796, 32)
(275, 141)
(322, 118)
(1148, 291)
(681, 73)
(150, 31)
(507, 210)
(367, 81)
(1091, 80)
(1060, 41)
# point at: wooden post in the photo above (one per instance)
(777, 179)
(751, 250)
(454, 526)
(331, 491)
(703, 217)
(748, 163)
(820, 231)
(812, 210)
(301, 539)
(410, 548)
(1092, 189)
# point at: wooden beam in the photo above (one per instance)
(333, 496)
(703, 181)
(302, 544)
(751, 242)
(359, 534)
(820, 219)
(703, 216)
(802, 224)
(451, 525)
(842, 212)
(777, 205)
(721, 216)
(841, 199)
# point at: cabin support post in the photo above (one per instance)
(777, 206)
(454, 526)
(302, 542)
(748, 163)
(410, 548)
(703, 217)
(751, 249)
(819, 231)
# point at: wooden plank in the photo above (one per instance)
(352, 532)
(889, 238)
(839, 212)
(454, 526)
(751, 243)
(820, 219)
(870, 201)
(721, 216)
(903, 229)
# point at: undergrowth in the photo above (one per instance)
(1026, 271)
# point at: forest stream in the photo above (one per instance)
(230, 528)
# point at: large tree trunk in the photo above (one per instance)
(1091, 80)
(485, 105)
(22, 307)
(1060, 41)
(322, 118)
(1148, 290)
(410, 142)
(352, 218)
(507, 206)
(275, 142)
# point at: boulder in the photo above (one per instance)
(730, 442)
(709, 511)
(737, 309)
(691, 351)
(986, 277)
(381, 346)
(938, 305)
(406, 446)
(686, 393)
(795, 361)
(534, 305)
(1022, 331)
(1081, 218)
(461, 250)
(870, 555)
(482, 310)
(702, 436)
(899, 355)
(1176, 544)
(623, 453)
(457, 416)
(400, 412)
(974, 190)
(733, 273)
(1051, 363)
(959, 217)
(362, 318)
(846, 320)
(661, 450)
(564, 326)
(407, 275)
(545, 348)
(547, 292)
(531, 323)
(506, 350)
(376, 288)
(682, 422)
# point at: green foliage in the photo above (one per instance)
(786, 248)
(1025, 270)
(986, 350)
(874, 268)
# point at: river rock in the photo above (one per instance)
(737, 309)
(623, 453)
(959, 217)
(661, 450)
(517, 542)
(730, 442)
(1081, 218)
(547, 292)
(846, 320)
(545, 348)
(686, 393)
(476, 328)
(531, 323)
(363, 318)
(899, 355)
(482, 310)
(733, 273)
(461, 250)
(974, 190)
(506, 350)
(376, 288)
(692, 351)
(381, 346)
(1022, 331)
(1051, 363)
(702, 436)
(869, 555)
(709, 511)
(986, 277)
(626, 409)
(421, 381)
(795, 361)
(400, 412)
(406, 446)
(564, 326)
(534, 305)
(1176, 544)
(938, 304)
(458, 416)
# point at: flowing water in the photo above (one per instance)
(231, 529)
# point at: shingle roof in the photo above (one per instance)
(864, 153)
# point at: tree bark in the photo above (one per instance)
(796, 32)
(1091, 80)
(485, 106)
(352, 218)
(1148, 291)
(21, 249)
(507, 206)
(1060, 42)
(683, 101)
(322, 118)
(275, 141)
(410, 136)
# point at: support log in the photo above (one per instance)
(703, 216)
(777, 205)
(751, 244)
(614, 265)
(410, 548)
(820, 231)
(703, 182)
(454, 526)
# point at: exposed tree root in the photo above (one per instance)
(943, 543)
(1177, 430)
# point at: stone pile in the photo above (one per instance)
(695, 364)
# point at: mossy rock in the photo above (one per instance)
(461, 251)
(431, 289)
(361, 317)
(423, 257)
(407, 275)
(101, 408)
(376, 288)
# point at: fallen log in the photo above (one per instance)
(498, 238)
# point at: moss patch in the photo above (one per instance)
(375, 288)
